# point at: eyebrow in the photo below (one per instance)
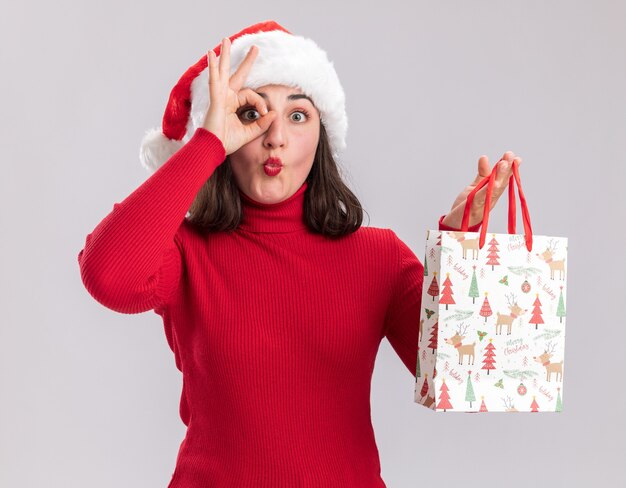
(295, 96)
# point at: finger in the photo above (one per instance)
(262, 124)
(483, 170)
(483, 167)
(213, 73)
(508, 156)
(248, 96)
(225, 59)
(239, 76)
(503, 173)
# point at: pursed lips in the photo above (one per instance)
(274, 162)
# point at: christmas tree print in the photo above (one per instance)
(534, 406)
(482, 273)
(433, 337)
(469, 392)
(477, 377)
(433, 289)
(485, 310)
(536, 316)
(559, 404)
(446, 295)
(450, 260)
(473, 291)
(560, 311)
(444, 398)
(492, 257)
(432, 253)
(483, 407)
(426, 266)
(489, 360)
(438, 239)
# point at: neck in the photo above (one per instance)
(284, 216)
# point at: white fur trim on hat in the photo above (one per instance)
(155, 149)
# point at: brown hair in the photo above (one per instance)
(330, 208)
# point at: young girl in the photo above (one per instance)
(249, 245)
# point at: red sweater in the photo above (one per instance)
(274, 328)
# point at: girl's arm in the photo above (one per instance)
(131, 261)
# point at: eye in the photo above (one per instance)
(246, 111)
(300, 118)
(304, 112)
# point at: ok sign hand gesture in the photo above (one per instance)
(226, 97)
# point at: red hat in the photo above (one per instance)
(283, 59)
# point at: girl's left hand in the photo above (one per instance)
(504, 172)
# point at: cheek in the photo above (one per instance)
(307, 145)
(242, 159)
(309, 140)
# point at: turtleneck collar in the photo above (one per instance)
(285, 216)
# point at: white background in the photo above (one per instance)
(90, 397)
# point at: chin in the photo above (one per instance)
(271, 190)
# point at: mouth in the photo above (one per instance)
(272, 166)
(273, 162)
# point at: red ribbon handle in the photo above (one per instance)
(490, 181)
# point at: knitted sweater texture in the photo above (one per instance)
(274, 328)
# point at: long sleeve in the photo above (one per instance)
(471, 228)
(131, 261)
(404, 313)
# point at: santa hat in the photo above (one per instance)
(283, 58)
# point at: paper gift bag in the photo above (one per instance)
(492, 328)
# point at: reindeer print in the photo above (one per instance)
(544, 359)
(548, 255)
(507, 319)
(463, 350)
(466, 244)
(508, 405)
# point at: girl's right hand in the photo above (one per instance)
(226, 97)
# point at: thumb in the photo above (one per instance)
(483, 170)
(483, 167)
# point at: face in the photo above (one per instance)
(292, 137)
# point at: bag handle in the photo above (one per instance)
(490, 181)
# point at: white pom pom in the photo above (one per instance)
(156, 149)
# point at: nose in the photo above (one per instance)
(275, 136)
